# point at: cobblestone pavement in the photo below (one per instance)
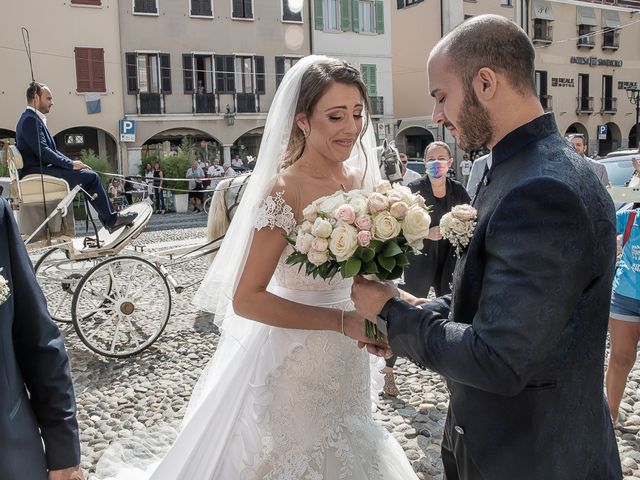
(116, 398)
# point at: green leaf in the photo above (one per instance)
(351, 267)
(391, 249)
(382, 275)
(290, 241)
(334, 269)
(395, 273)
(388, 263)
(376, 245)
(367, 254)
(371, 267)
(402, 260)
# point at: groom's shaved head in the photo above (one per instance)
(493, 42)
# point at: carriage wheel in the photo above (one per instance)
(58, 277)
(121, 306)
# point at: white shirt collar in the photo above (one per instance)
(39, 113)
(489, 162)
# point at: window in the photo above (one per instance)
(148, 73)
(242, 9)
(505, 3)
(330, 13)
(542, 91)
(201, 8)
(86, 2)
(609, 102)
(367, 16)
(225, 73)
(197, 73)
(90, 75)
(585, 102)
(145, 6)
(244, 75)
(283, 64)
(406, 3)
(585, 36)
(370, 78)
(610, 39)
(292, 10)
(542, 31)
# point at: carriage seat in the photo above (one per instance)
(28, 194)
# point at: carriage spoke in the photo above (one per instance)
(115, 334)
(135, 266)
(60, 303)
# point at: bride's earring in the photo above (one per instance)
(305, 132)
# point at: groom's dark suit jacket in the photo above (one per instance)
(33, 359)
(522, 339)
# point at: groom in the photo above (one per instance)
(521, 340)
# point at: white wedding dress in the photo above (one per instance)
(306, 399)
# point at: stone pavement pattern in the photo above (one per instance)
(117, 398)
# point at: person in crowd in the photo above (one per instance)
(195, 176)
(434, 267)
(579, 143)
(41, 155)
(228, 171)
(408, 175)
(215, 170)
(624, 314)
(522, 339)
(115, 189)
(237, 164)
(158, 192)
(39, 436)
(465, 169)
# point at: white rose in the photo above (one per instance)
(330, 204)
(310, 212)
(318, 258)
(383, 187)
(306, 226)
(303, 242)
(320, 244)
(321, 228)
(385, 226)
(344, 242)
(5, 292)
(359, 204)
(399, 210)
(415, 225)
(376, 202)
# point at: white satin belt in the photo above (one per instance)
(317, 298)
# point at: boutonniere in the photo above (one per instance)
(5, 293)
(458, 225)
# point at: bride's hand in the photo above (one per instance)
(354, 328)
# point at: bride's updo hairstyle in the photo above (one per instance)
(315, 82)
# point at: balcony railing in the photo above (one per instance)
(609, 104)
(585, 105)
(587, 41)
(150, 103)
(247, 103)
(543, 33)
(204, 102)
(611, 40)
(377, 105)
(547, 102)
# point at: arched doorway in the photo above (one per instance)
(577, 128)
(248, 144)
(199, 145)
(612, 142)
(413, 140)
(633, 137)
(73, 141)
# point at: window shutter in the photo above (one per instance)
(131, 61)
(289, 15)
(345, 15)
(98, 81)
(165, 73)
(201, 7)
(317, 15)
(219, 66)
(230, 73)
(187, 72)
(370, 78)
(279, 70)
(355, 15)
(379, 16)
(138, 6)
(83, 71)
(236, 8)
(248, 9)
(400, 4)
(260, 80)
(86, 2)
(150, 6)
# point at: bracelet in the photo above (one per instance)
(342, 322)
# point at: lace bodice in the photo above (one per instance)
(275, 213)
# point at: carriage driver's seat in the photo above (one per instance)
(28, 193)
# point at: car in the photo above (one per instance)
(619, 168)
(416, 164)
(620, 153)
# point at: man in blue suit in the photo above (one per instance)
(35, 142)
(37, 402)
(521, 339)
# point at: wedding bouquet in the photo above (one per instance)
(458, 225)
(5, 293)
(361, 233)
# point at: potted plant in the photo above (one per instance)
(176, 166)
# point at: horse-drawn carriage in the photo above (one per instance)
(118, 297)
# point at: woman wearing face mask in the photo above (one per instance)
(434, 268)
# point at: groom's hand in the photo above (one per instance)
(72, 473)
(369, 296)
(354, 328)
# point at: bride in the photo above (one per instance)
(288, 393)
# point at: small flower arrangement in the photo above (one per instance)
(5, 293)
(361, 233)
(458, 225)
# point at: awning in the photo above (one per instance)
(542, 10)
(610, 19)
(586, 16)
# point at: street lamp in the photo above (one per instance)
(633, 94)
(229, 116)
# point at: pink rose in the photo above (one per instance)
(376, 202)
(399, 210)
(394, 197)
(363, 222)
(346, 213)
(364, 238)
(464, 212)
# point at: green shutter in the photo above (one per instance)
(370, 78)
(345, 15)
(379, 16)
(355, 15)
(317, 11)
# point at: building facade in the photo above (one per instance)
(586, 55)
(76, 52)
(206, 69)
(359, 32)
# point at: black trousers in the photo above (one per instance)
(458, 464)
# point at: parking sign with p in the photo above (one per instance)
(127, 130)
